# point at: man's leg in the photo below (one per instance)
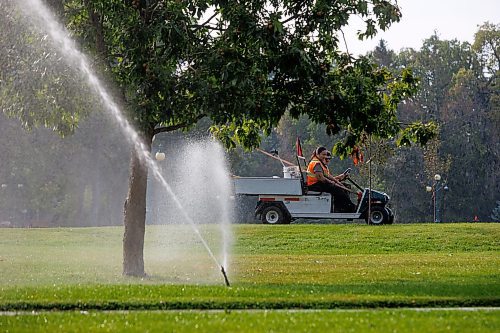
(342, 202)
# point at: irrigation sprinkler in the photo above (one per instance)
(225, 276)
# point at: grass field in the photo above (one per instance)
(257, 321)
(271, 267)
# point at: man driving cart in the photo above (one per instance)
(319, 179)
(310, 196)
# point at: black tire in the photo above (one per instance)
(274, 215)
(378, 216)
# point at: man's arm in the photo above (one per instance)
(340, 177)
(332, 180)
(329, 179)
(337, 178)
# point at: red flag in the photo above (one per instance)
(299, 148)
(357, 155)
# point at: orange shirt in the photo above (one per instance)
(311, 175)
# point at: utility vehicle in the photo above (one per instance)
(282, 200)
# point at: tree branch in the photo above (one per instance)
(345, 43)
(199, 26)
(176, 126)
(494, 49)
(293, 17)
(210, 18)
(205, 24)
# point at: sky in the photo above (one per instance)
(452, 19)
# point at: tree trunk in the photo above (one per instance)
(135, 216)
(96, 21)
(58, 7)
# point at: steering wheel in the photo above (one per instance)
(347, 172)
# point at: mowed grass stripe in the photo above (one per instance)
(293, 239)
(363, 239)
(403, 321)
(158, 297)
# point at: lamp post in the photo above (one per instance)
(160, 156)
(3, 197)
(437, 189)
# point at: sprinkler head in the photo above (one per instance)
(225, 276)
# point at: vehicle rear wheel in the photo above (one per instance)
(274, 215)
(378, 216)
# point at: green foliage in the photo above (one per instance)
(363, 100)
(36, 87)
(487, 46)
(54, 181)
(382, 55)
(458, 94)
(457, 99)
(246, 65)
(435, 64)
(418, 133)
(247, 135)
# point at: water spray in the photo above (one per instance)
(225, 276)
(68, 47)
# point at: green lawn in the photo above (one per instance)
(271, 267)
(257, 321)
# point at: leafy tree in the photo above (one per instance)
(54, 181)
(435, 64)
(243, 64)
(383, 56)
(457, 91)
(37, 94)
(487, 46)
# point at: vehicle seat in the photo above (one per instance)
(303, 177)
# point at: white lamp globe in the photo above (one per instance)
(437, 177)
(160, 156)
(428, 189)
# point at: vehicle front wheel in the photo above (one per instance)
(274, 215)
(390, 220)
(378, 216)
